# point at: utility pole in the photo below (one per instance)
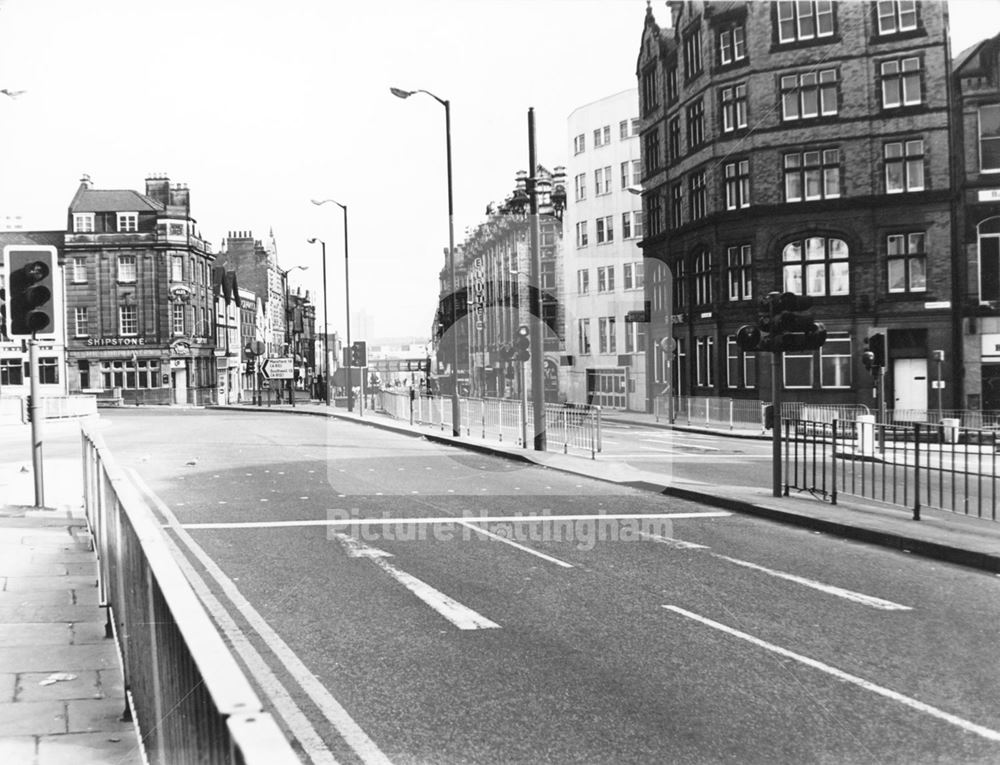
(535, 293)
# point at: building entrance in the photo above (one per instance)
(991, 386)
(909, 384)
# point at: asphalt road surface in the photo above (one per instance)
(392, 605)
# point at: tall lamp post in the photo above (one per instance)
(326, 349)
(347, 298)
(456, 413)
(288, 331)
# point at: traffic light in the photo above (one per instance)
(876, 346)
(359, 354)
(522, 344)
(249, 366)
(769, 417)
(799, 331)
(748, 338)
(29, 281)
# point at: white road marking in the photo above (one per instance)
(857, 597)
(678, 544)
(357, 549)
(452, 519)
(312, 743)
(461, 616)
(336, 715)
(519, 546)
(920, 706)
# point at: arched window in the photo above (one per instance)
(703, 278)
(989, 260)
(816, 266)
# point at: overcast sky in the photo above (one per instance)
(260, 106)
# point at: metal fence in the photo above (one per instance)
(500, 419)
(732, 413)
(191, 700)
(912, 465)
(14, 409)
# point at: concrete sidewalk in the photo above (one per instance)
(941, 535)
(61, 689)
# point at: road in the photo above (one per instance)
(346, 561)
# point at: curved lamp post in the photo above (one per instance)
(326, 349)
(347, 297)
(456, 413)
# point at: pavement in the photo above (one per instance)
(941, 535)
(61, 689)
(62, 696)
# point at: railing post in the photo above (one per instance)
(599, 446)
(916, 471)
(656, 408)
(565, 432)
(731, 420)
(833, 463)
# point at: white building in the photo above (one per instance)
(605, 318)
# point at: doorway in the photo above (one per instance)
(991, 387)
(909, 385)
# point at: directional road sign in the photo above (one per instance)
(280, 368)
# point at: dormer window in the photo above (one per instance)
(128, 221)
(83, 223)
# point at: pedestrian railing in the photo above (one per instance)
(191, 701)
(732, 413)
(499, 419)
(14, 409)
(967, 418)
(913, 465)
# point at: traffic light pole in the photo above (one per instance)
(35, 415)
(776, 357)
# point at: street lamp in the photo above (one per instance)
(456, 414)
(288, 329)
(326, 349)
(347, 298)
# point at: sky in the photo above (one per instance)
(261, 106)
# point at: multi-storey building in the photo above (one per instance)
(494, 289)
(139, 304)
(602, 262)
(14, 370)
(256, 267)
(976, 123)
(228, 351)
(800, 147)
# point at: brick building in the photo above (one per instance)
(977, 146)
(138, 296)
(802, 147)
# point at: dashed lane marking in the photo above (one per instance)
(461, 616)
(519, 546)
(857, 597)
(966, 725)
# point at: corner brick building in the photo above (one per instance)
(138, 296)
(802, 147)
(976, 123)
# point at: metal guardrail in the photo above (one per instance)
(576, 427)
(915, 465)
(15, 408)
(732, 413)
(192, 702)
